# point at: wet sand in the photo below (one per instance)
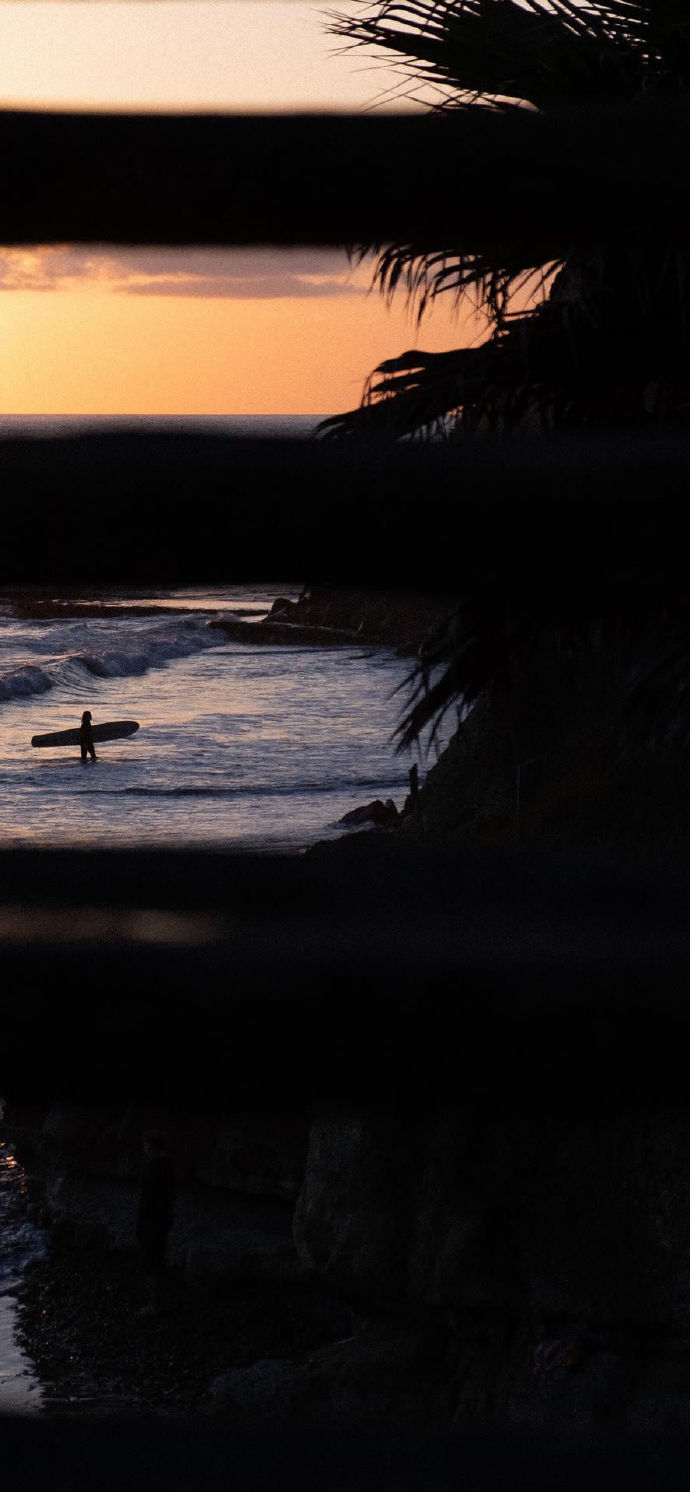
(78, 1321)
(20, 1388)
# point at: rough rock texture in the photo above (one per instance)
(237, 1178)
(385, 1373)
(381, 814)
(523, 1213)
(215, 1237)
(546, 761)
(284, 630)
(521, 1266)
(510, 1228)
(78, 1320)
(396, 619)
(255, 1152)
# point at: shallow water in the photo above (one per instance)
(240, 746)
(20, 1241)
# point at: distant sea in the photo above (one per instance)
(232, 424)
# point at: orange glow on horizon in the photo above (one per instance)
(85, 347)
(89, 351)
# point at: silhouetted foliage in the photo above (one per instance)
(603, 335)
(594, 339)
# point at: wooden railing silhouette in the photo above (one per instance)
(466, 180)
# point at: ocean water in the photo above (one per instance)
(240, 746)
(20, 1241)
(233, 424)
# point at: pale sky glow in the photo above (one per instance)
(181, 54)
(89, 330)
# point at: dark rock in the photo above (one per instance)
(292, 633)
(468, 1234)
(396, 619)
(384, 1374)
(388, 1373)
(253, 1151)
(282, 609)
(377, 812)
(273, 1389)
(258, 1153)
(354, 1216)
(500, 1220)
(215, 1235)
(544, 761)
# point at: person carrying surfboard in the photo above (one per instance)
(106, 730)
(86, 738)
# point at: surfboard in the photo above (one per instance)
(110, 730)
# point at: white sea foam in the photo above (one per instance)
(130, 658)
(20, 1242)
(22, 681)
(239, 746)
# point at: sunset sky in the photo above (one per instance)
(143, 331)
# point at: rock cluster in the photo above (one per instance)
(333, 617)
(516, 1266)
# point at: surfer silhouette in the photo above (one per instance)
(86, 738)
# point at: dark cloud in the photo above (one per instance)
(237, 274)
(265, 287)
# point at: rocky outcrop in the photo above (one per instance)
(385, 1373)
(252, 1152)
(510, 1230)
(509, 1213)
(381, 815)
(326, 616)
(268, 633)
(237, 1178)
(551, 759)
(216, 1238)
(399, 619)
(522, 1265)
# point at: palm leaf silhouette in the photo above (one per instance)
(603, 340)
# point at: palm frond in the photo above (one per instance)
(423, 274)
(473, 651)
(499, 51)
(606, 344)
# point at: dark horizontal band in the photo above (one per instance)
(374, 974)
(468, 179)
(605, 514)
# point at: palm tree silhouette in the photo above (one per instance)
(603, 337)
(583, 337)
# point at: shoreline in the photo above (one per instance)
(21, 1389)
(77, 1322)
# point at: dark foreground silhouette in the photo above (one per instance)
(86, 738)
(156, 1207)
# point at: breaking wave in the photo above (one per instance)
(132, 657)
(249, 790)
(22, 681)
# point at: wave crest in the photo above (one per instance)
(115, 663)
(28, 679)
(128, 657)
